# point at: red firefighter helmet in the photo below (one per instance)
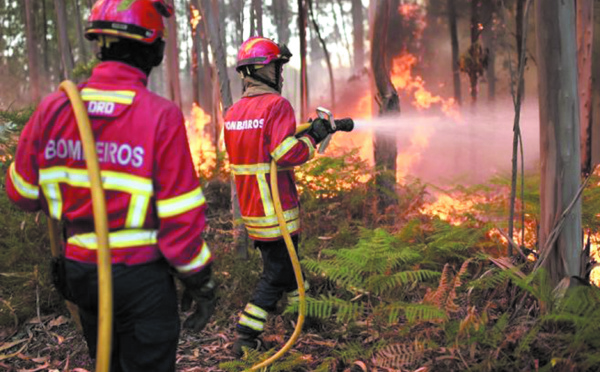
(139, 20)
(259, 50)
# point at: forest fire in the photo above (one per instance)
(201, 146)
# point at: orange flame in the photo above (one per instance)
(196, 17)
(203, 151)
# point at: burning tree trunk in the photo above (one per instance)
(474, 69)
(32, 56)
(209, 13)
(560, 238)
(358, 34)
(172, 56)
(385, 150)
(63, 38)
(302, 12)
(327, 59)
(455, 51)
(585, 34)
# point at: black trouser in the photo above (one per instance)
(277, 277)
(145, 320)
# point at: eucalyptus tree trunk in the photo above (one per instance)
(63, 38)
(327, 58)
(172, 57)
(475, 49)
(585, 39)
(80, 38)
(32, 55)
(489, 41)
(256, 18)
(210, 14)
(282, 18)
(302, 23)
(559, 137)
(455, 50)
(593, 132)
(358, 34)
(385, 149)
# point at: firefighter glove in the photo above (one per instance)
(319, 130)
(201, 289)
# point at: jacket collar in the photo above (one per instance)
(118, 73)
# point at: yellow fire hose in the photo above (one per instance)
(105, 299)
(295, 263)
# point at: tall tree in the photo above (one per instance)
(281, 17)
(519, 20)
(489, 9)
(302, 23)
(32, 55)
(172, 57)
(256, 18)
(474, 69)
(559, 138)
(63, 38)
(324, 46)
(358, 34)
(455, 51)
(585, 39)
(80, 38)
(385, 150)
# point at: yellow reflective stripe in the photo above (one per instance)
(117, 96)
(272, 232)
(54, 198)
(114, 32)
(311, 147)
(197, 263)
(250, 169)
(251, 323)
(180, 204)
(256, 311)
(284, 147)
(114, 181)
(24, 188)
(265, 194)
(116, 240)
(138, 207)
(292, 214)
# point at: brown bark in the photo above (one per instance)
(593, 135)
(559, 136)
(385, 150)
(302, 23)
(358, 34)
(585, 34)
(455, 51)
(32, 55)
(282, 18)
(489, 42)
(256, 18)
(475, 50)
(172, 57)
(519, 36)
(63, 38)
(80, 38)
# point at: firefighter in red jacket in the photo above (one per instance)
(261, 127)
(154, 202)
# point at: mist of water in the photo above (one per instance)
(470, 149)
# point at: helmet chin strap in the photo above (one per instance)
(250, 71)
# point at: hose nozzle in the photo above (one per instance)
(345, 124)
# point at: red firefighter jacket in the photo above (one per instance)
(154, 202)
(257, 130)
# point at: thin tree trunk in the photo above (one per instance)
(559, 136)
(256, 18)
(327, 58)
(519, 37)
(302, 10)
(455, 51)
(82, 43)
(63, 38)
(172, 57)
(282, 18)
(32, 56)
(385, 150)
(585, 35)
(474, 50)
(209, 13)
(489, 41)
(358, 34)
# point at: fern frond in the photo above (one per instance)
(381, 284)
(400, 355)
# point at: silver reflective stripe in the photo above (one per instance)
(265, 194)
(54, 198)
(200, 261)
(254, 324)
(255, 311)
(116, 240)
(292, 214)
(115, 181)
(136, 215)
(250, 169)
(180, 204)
(272, 232)
(311, 147)
(24, 188)
(284, 147)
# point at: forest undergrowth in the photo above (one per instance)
(398, 290)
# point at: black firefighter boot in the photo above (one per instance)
(249, 341)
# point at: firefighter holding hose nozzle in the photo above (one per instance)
(261, 128)
(154, 201)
